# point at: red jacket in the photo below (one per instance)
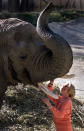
(61, 112)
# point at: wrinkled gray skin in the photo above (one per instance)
(30, 55)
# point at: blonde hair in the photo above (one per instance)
(71, 91)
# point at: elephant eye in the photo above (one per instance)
(23, 57)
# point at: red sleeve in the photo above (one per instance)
(65, 109)
(50, 88)
(55, 101)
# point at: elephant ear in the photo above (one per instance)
(22, 43)
(14, 24)
(18, 32)
(14, 34)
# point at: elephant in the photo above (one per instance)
(30, 55)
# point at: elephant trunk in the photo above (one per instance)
(61, 58)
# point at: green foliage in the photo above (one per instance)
(32, 16)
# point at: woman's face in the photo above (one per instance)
(64, 90)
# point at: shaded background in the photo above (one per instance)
(21, 5)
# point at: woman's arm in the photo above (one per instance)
(46, 90)
(55, 101)
(66, 108)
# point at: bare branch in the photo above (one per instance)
(68, 4)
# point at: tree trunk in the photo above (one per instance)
(69, 4)
(13, 5)
(4, 5)
(37, 4)
(30, 5)
(24, 5)
(0, 5)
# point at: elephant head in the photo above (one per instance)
(32, 54)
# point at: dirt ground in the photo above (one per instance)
(23, 110)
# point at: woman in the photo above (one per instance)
(62, 110)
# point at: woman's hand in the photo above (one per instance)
(47, 102)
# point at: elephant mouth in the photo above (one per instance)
(46, 90)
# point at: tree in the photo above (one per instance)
(27, 5)
(68, 4)
(13, 5)
(37, 4)
(4, 5)
(24, 5)
(0, 5)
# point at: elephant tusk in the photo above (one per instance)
(45, 90)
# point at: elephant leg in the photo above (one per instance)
(3, 88)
